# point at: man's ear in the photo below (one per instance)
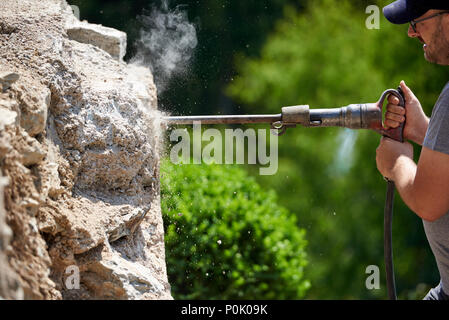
(445, 22)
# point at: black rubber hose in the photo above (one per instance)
(388, 240)
(388, 218)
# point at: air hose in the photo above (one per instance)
(388, 237)
(388, 215)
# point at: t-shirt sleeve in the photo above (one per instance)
(437, 135)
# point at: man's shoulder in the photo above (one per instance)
(437, 135)
(446, 88)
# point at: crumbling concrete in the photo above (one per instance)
(79, 147)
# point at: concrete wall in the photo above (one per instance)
(80, 139)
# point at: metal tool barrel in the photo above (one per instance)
(355, 116)
(225, 119)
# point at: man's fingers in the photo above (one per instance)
(393, 120)
(395, 114)
(393, 99)
(390, 124)
(384, 140)
(395, 109)
(407, 92)
(394, 117)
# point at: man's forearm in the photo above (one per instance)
(404, 174)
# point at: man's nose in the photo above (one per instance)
(412, 33)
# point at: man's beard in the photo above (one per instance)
(438, 49)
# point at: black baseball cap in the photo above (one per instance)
(404, 11)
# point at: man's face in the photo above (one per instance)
(434, 34)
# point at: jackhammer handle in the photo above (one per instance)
(394, 133)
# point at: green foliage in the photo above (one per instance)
(326, 57)
(227, 238)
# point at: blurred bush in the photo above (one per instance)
(227, 238)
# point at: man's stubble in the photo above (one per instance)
(438, 48)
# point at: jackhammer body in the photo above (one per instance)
(354, 116)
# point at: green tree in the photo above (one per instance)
(326, 57)
(227, 238)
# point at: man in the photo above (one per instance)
(424, 186)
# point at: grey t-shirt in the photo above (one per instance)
(437, 232)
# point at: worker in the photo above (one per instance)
(423, 186)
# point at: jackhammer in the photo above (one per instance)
(354, 116)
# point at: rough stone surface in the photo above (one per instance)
(110, 40)
(9, 284)
(79, 149)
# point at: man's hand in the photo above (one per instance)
(390, 155)
(417, 122)
(422, 186)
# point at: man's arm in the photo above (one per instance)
(424, 187)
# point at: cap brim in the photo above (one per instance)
(399, 12)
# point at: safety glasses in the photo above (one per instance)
(413, 23)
